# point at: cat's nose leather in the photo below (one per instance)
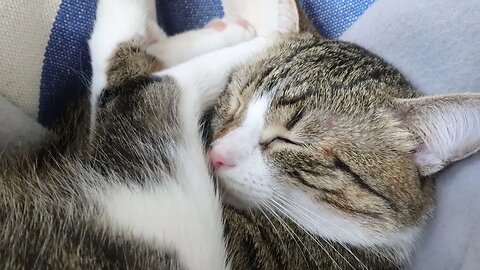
(218, 160)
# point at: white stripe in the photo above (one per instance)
(26, 27)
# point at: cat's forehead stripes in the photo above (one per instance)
(285, 99)
(358, 180)
(255, 114)
(295, 118)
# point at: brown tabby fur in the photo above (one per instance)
(344, 88)
(345, 94)
(259, 242)
(354, 133)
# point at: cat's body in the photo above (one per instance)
(136, 193)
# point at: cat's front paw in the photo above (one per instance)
(268, 17)
(234, 30)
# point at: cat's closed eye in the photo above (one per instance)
(278, 140)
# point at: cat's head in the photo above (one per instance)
(334, 138)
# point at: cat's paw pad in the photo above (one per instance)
(218, 25)
(234, 30)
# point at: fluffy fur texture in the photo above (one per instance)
(334, 147)
(116, 200)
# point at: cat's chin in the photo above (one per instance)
(239, 198)
(240, 191)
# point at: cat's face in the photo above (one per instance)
(334, 138)
(333, 157)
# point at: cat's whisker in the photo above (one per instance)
(260, 208)
(291, 232)
(309, 212)
(300, 209)
(281, 209)
(377, 252)
(297, 208)
(308, 250)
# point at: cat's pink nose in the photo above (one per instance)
(218, 160)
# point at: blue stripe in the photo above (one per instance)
(333, 17)
(178, 16)
(66, 67)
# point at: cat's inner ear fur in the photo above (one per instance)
(447, 128)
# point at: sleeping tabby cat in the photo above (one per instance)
(319, 132)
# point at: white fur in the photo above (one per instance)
(249, 179)
(17, 129)
(453, 135)
(202, 79)
(449, 127)
(181, 215)
(267, 16)
(184, 46)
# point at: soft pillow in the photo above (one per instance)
(436, 44)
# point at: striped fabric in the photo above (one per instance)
(47, 62)
(24, 33)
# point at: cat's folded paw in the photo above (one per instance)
(268, 17)
(234, 29)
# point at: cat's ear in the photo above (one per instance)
(447, 127)
(266, 16)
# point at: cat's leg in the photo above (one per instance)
(117, 21)
(216, 35)
(267, 16)
(178, 207)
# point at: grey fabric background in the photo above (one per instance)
(436, 44)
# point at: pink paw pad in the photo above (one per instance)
(217, 25)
